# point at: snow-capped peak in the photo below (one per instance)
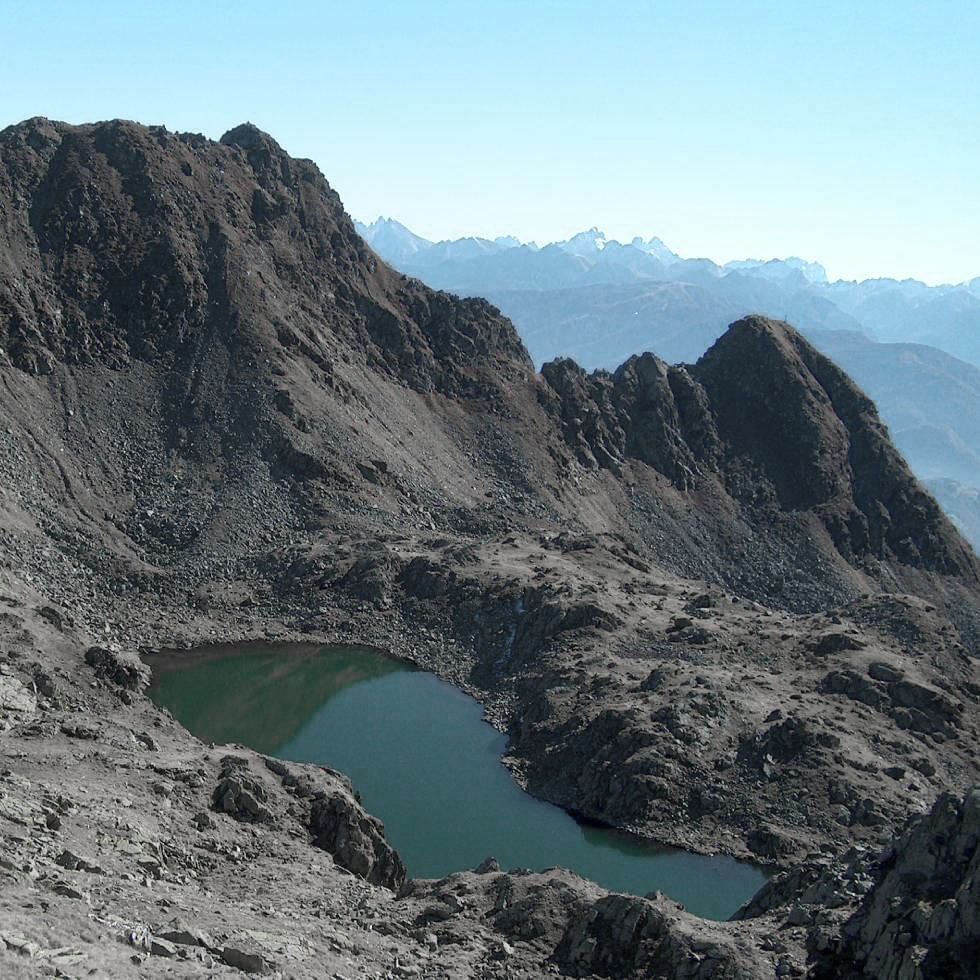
(584, 243)
(654, 246)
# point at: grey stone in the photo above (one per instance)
(881, 671)
(245, 960)
(16, 697)
(125, 670)
(921, 919)
(161, 947)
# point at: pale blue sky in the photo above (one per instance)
(847, 132)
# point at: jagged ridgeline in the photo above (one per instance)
(247, 326)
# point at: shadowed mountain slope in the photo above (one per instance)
(196, 325)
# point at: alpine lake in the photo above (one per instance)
(423, 760)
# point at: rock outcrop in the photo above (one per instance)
(239, 794)
(921, 917)
(121, 668)
(339, 824)
(779, 423)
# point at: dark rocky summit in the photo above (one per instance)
(709, 603)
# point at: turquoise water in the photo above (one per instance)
(425, 762)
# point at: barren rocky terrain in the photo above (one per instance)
(709, 603)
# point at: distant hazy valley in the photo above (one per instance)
(915, 349)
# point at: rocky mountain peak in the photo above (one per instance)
(248, 136)
(788, 415)
(125, 241)
(779, 425)
(230, 266)
(772, 409)
(265, 156)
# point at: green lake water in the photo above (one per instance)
(425, 762)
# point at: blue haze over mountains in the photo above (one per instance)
(915, 349)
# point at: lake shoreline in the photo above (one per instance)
(398, 711)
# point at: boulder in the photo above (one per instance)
(768, 844)
(369, 578)
(16, 697)
(780, 743)
(831, 643)
(248, 961)
(238, 794)
(882, 671)
(929, 710)
(854, 686)
(125, 670)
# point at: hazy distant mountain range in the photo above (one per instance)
(692, 290)
(914, 348)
